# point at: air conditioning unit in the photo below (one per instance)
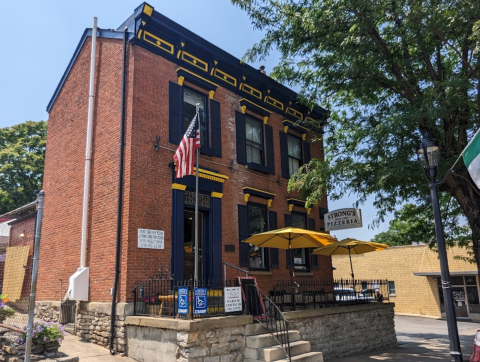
(78, 285)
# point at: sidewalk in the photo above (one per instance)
(89, 352)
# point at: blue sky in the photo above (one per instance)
(41, 36)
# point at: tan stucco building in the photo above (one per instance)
(413, 273)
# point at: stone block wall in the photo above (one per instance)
(344, 331)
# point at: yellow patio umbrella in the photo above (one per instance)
(290, 238)
(350, 246)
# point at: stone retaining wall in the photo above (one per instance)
(345, 331)
(219, 339)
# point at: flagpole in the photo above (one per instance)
(197, 152)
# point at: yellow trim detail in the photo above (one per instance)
(211, 94)
(246, 197)
(217, 195)
(294, 113)
(147, 10)
(285, 129)
(265, 120)
(243, 109)
(143, 23)
(191, 59)
(140, 33)
(200, 170)
(269, 202)
(179, 52)
(158, 42)
(196, 75)
(290, 207)
(304, 136)
(296, 200)
(256, 105)
(250, 90)
(265, 192)
(225, 77)
(180, 80)
(179, 187)
(308, 210)
(183, 44)
(274, 102)
(296, 124)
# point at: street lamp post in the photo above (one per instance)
(429, 157)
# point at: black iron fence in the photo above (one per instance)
(311, 293)
(163, 296)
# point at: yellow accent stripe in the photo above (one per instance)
(189, 58)
(254, 92)
(296, 124)
(218, 195)
(225, 77)
(294, 113)
(200, 170)
(251, 188)
(158, 42)
(179, 187)
(274, 102)
(256, 105)
(196, 75)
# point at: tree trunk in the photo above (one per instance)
(460, 185)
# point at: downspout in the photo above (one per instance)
(120, 198)
(88, 152)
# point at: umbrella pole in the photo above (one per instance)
(292, 273)
(351, 266)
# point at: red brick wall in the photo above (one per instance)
(148, 192)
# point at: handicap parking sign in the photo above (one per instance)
(182, 303)
(200, 301)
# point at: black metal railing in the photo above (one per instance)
(272, 319)
(310, 293)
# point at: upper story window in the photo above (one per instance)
(182, 108)
(254, 140)
(294, 145)
(190, 101)
(257, 223)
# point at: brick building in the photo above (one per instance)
(413, 273)
(254, 136)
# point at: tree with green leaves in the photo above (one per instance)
(391, 72)
(22, 153)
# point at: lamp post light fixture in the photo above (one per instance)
(429, 156)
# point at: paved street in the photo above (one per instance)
(421, 340)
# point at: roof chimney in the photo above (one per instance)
(262, 70)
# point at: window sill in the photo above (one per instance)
(257, 167)
(259, 272)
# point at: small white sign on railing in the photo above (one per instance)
(233, 299)
(343, 219)
(150, 239)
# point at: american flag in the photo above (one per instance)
(185, 155)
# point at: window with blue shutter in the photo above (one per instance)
(272, 225)
(175, 110)
(294, 153)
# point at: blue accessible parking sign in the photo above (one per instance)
(200, 301)
(182, 302)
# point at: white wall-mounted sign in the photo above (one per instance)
(150, 239)
(233, 299)
(343, 219)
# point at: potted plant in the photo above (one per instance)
(43, 333)
(153, 305)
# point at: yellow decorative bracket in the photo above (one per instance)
(290, 207)
(285, 129)
(265, 120)
(304, 136)
(308, 210)
(246, 197)
(243, 109)
(179, 187)
(269, 202)
(217, 195)
(211, 94)
(180, 80)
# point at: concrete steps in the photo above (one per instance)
(264, 347)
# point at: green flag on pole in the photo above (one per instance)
(471, 157)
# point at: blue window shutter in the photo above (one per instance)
(216, 128)
(306, 152)
(284, 154)
(243, 248)
(270, 149)
(313, 258)
(272, 225)
(175, 108)
(241, 147)
(288, 222)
